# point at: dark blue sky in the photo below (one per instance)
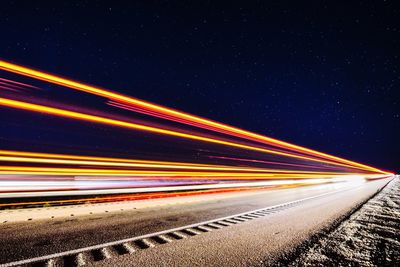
(323, 75)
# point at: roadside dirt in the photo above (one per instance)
(369, 237)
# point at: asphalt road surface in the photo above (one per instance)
(255, 242)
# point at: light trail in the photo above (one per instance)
(19, 84)
(120, 197)
(174, 113)
(120, 164)
(39, 174)
(272, 162)
(92, 158)
(135, 126)
(187, 190)
(153, 173)
(29, 157)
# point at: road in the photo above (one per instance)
(258, 241)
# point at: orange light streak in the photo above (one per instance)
(141, 196)
(135, 126)
(171, 112)
(122, 164)
(92, 158)
(274, 174)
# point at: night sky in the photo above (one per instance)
(323, 75)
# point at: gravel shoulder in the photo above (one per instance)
(369, 237)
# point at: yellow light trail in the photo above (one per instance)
(47, 158)
(122, 164)
(135, 126)
(92, 158)
(273, 174)
(119, 97)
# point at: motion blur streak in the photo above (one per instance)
(118, 97)
(216, 157)
(62, 156)
(121, 164)
(113, 122)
